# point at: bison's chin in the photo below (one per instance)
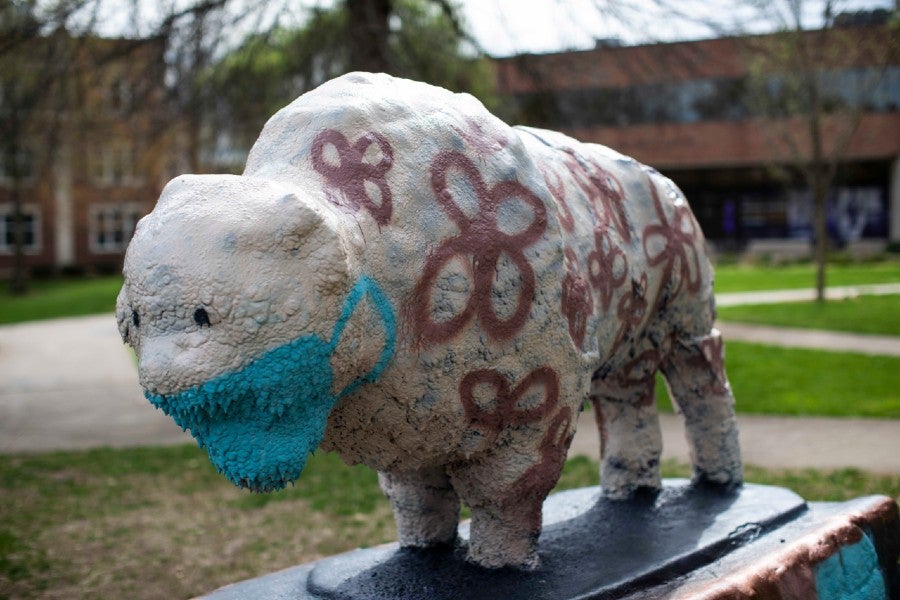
(259, 424)
(259, 452)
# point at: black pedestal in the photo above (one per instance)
(590, 548)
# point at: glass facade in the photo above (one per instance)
(870, 89)
(745, 199)
(853, 213)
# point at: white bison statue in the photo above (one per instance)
(403, 279)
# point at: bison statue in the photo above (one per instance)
(403, 279)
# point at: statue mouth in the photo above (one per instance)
(259, 450)
(259, 424)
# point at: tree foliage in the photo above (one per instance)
(217, 69)
(270, 69)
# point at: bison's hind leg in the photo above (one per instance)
(426, 508)
(630, 438)
(695, 374)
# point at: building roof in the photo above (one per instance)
(642, 100)
(731, 57)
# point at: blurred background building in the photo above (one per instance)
(752, 127)
(85, 152)
(730, 123)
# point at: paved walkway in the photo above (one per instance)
(782, 442)
(811, 338)
(806, 295)
(71, 383)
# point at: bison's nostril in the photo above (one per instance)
(135, 318)
(201, 317)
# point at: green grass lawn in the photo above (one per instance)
(749, 278)
(160, 523)
(867, 314)
(72, 297)
(794, 381)
(60, 298)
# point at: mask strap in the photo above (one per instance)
(366, 285)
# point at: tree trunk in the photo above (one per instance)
(821, 233)
(194, 134)
(817, 176)
(18, 286)
(368, 31)
(196, 102)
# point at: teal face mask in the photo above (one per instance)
(259, 424)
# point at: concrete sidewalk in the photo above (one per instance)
(806, 294)
(781, 442)
(815, 339)
(71, 383)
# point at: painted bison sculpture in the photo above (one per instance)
(401, 278)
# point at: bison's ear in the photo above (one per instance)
(299, 224)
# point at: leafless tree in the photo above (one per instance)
(194, 38)
(36, 58)
(813, 118)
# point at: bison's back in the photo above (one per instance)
(635, 245)
(516, 259)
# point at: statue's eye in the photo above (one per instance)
(135, 318)
(201, 317)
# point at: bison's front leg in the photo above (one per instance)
(505, 527)
(425, 506)
(506, 491)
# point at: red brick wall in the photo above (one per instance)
(743, 143)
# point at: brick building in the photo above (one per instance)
(716, 116)
(98, 142)
(90, 149)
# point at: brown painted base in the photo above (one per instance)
(756, 542)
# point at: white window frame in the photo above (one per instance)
(7, 211)
(112, 217)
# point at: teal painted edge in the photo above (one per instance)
(852, 573)
(366, 285)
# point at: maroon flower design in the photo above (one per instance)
(351, 172)
(540, 478)
(639, 373)
(558, 191)
(673, 245)
(505, 413)
(480, 237)
(607, 265)
(577, 302)
(604, 191)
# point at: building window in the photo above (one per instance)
(17, 164)
(31, 222)
(115, 164)
(111, 227)
(121, 95)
